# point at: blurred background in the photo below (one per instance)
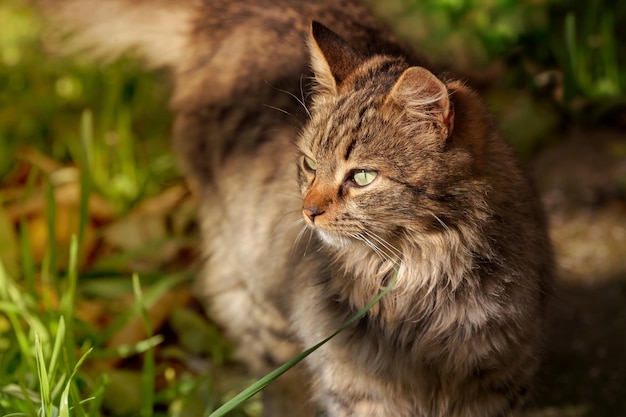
(103, 323)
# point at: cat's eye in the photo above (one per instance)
(364, 177)
(309, 164)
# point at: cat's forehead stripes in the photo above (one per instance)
(355, 132)
(349, 148)
(335, 138)
(343, 130)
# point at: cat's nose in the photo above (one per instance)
(312, 212)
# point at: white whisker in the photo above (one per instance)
(301, 102)
(285, 112)
(375, 249)
(445, 226)
(371, 245)
(280, 110)
(386, 245)
(308, 244)
(373, 241)
(297, 241)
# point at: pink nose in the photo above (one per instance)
(312, 212)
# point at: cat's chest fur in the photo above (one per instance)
(396, 176)
(312, 197)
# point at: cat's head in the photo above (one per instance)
(379, 157)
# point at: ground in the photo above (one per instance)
(583, 181)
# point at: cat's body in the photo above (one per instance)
(391, 170)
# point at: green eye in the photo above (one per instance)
(310, 164)
(364, 177)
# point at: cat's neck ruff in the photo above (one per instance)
(429, 273)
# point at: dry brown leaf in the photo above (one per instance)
(135, 330)
(68, 195)
(146, 222)
(38, 160)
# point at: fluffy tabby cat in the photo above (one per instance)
(310, 202)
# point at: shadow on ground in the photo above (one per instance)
(583, 183)
(585, 367)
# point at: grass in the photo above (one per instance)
(43, 380)
(567, 49)
(49, 380)
(61, 132)
(45, 370)
(68, 304)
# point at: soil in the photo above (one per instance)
(583, 184)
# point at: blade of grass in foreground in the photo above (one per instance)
(64, 407)
(148, 374)
(255, 388)
(86, 183)
(13, 316)
(67, 303)
(42, 375)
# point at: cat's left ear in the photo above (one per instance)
(423, 96)
(332, 58)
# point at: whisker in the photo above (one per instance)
(441, 222)
(299, 236)
(394, 258)
(371, 245)
(279, 109)
(292, 213)
(394, 251)
(308, 244)
(297, 222)
(301, 102)
(285, 112)
(381, 252)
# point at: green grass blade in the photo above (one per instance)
(26, 257)
(26, 254)
(98, 395)
(125, 351)
(64, 405)
(67, 304)
(22, 339)
(51, 215)
(42, 375)
(151, 296)
(56, 351)
(148, 373)
(67, 309)
(570, 81)
(610, 53)
(255, 388)
(86, 181)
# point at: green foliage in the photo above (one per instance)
(43, 98)
(473, 31)
(42, 381)
(576, 46)
(111, 122)
(591, 51)
(46, 353)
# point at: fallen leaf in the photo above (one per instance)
(135, 330)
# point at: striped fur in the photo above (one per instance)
(292, 251)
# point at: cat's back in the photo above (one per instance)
(246, 45)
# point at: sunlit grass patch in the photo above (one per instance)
(86, 169)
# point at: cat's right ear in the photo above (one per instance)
(332, 59)
(423, 96)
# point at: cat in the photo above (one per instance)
(315, 196)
